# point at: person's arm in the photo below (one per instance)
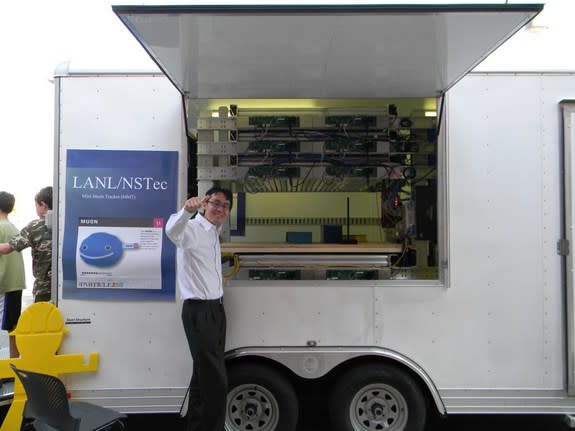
(176, 225)
(5, 248)
(22, 240)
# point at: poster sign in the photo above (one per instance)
(116, 206)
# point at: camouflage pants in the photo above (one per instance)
(42, 296)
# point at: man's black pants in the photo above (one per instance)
(205, 326)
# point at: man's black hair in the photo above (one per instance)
(226, 192)
(7, 201)
(44, 195)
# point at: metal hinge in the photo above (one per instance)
(563, 247)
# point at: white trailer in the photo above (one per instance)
(397, 263)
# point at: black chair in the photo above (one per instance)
(49, 409)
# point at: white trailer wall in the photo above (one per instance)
(505, 177)
(492, 339)
(141, 343)
(498, 328)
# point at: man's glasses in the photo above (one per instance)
(218, 204)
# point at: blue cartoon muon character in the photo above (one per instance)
(101, 249)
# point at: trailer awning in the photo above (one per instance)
(329, 51)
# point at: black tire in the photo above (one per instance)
(260, 399)
(377, 397)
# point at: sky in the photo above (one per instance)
(38, 35)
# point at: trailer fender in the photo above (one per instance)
(315, 362)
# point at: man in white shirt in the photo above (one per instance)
(200, 284)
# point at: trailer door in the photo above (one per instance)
(321, 51)
(568, 108)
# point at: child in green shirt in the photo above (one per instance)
(12, 280)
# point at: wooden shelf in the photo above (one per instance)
(283, 248)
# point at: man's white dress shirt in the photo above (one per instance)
(199, 271)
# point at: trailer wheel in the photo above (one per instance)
(260, 399)
(377, 397)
